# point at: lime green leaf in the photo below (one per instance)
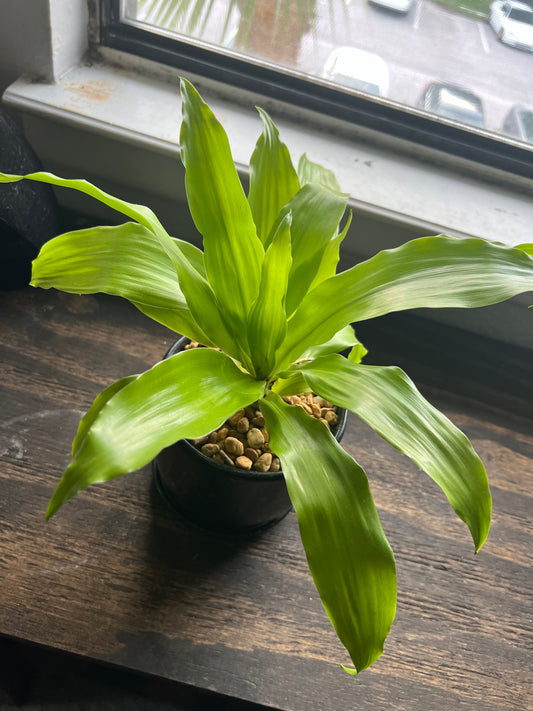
(267, 323)
(527, 248)
(184, 396)
(357, 353)
(345, 338)
(209, 314)
(348, 554)
(199, 296)
(126, 260)
(273, 180)
(310, 172)
(140, 213)
(427, 272)
(290, 383)
(316, 213)
(233, 253)
(330, 258)
(386, 399)
(92, 413)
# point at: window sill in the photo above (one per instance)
(120, 128)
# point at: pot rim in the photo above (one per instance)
(236, 472)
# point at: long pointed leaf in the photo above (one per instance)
(209, 314)
(92, 413)
(126, 260)
(174, 248)
(273, 180)
(140, 213)
(345, 338)
(267, 323)
(316, 213)
(184, 396)
(331, 255)
(347, 551)
(232, 251)
(427, 272)
(310, 172)
(387, 400)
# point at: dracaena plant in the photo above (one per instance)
(265, 292)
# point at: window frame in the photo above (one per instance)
(386, 118)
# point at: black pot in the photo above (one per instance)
(217, 496)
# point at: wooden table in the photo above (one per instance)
(115, 578)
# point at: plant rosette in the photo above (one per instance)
(265, 295)
(229, 480)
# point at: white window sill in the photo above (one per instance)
(76, 124)
(144, 111)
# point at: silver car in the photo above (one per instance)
(396, 5)
(513, 23)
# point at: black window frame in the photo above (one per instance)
(388, 119)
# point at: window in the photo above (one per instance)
(443, 74)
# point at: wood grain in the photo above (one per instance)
(116, 578)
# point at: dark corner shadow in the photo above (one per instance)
(34, 677)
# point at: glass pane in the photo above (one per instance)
(465, 61)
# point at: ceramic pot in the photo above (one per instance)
(217, 496)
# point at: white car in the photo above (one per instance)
(513, 23)
(396, 5)
(357, 69)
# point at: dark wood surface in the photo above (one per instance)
(115, 578)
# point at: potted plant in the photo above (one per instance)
(229, 480)
(264, 298)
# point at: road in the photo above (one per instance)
(429, 43)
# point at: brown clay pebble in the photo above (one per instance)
(251, 453)
(255, 438)
(262, 464)
(210, 449)
(222, 433)
(243, 463)
(233, 446)
(243, 425)
(331, 417)
(236, 417)
(245, 446)
(316, 410)
(249, 412)
(276, 465)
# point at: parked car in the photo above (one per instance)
(453, 102)
(513, 23)
(358, 69)
(396, 5)
(519, 123)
